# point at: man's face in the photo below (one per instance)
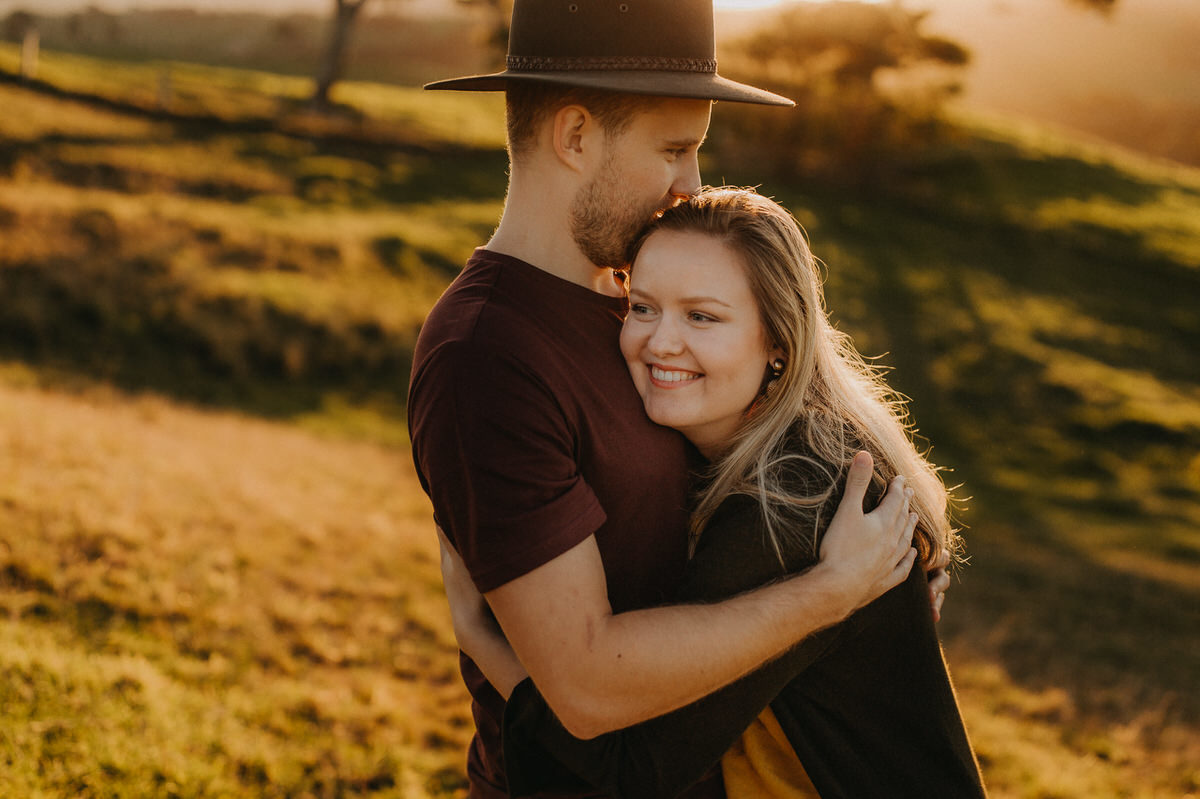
(645, 169)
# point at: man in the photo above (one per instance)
(566, 504)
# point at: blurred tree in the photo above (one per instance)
(17, 24)
(1103, 6)
(93, 23)
(867, 82)
(331, 69)
(288, 32)
(345, 12)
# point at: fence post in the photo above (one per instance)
(29, 54)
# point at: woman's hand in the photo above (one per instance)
(870, 552)
(939, 582)
(475, 628)
(468, 609)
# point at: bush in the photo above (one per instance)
(867, 84)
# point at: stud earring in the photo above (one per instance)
(776, 367)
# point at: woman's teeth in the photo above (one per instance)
(672, 376)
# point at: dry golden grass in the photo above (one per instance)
(1032, 746)
(201, 604)
(224, 605)
(1068, 670)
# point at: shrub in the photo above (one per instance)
(867, 84)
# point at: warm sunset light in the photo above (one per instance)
(749, 5)
(274, 305)
(735, 5)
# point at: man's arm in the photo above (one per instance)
(661, 757)
(601, 671)
(479, 635)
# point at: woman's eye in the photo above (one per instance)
(639, 308)
(696, 316)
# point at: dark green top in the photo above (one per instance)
(867, 704)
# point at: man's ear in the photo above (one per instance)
(575, 136)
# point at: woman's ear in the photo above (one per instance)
(574, 134)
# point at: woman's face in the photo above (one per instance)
(693, 339)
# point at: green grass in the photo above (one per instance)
(199, 603)
(263, 269)
(396, 113)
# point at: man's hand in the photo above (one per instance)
(871, 553)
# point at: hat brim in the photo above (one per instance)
(656, 83)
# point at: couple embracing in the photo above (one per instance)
(688, 544)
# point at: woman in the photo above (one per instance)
(727, 341)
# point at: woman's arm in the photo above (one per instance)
(475, 628)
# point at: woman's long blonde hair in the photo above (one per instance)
(827, 395)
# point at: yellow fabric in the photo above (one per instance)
(763, 764)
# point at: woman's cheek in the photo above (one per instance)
(633, 337)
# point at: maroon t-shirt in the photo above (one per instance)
(529, 437)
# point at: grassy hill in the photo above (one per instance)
(216, 568)
(411, 45)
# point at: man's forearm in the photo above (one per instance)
(641, 664)
(600, 671)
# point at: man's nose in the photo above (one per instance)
(687, 179)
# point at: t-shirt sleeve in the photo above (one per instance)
(497, 452)
(663, 756)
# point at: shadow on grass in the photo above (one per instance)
(240, 353)
(961, 175)
(423, 177)
(429, 170)
(301, 121)
(1118, 644)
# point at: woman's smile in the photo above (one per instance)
(667, 377)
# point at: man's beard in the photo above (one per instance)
(604, 223)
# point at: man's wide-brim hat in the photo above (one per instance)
(663, 48)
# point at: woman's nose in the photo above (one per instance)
(665, 339)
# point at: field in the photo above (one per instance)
(218, 574)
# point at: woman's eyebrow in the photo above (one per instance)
(695, 300)
(634, 292)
